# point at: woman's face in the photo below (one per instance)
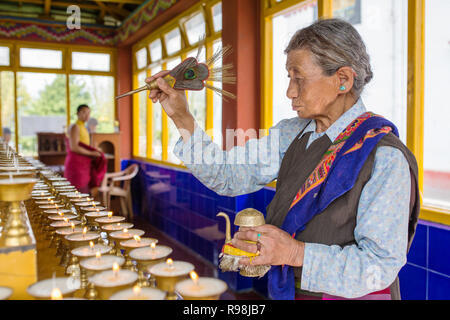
(312, 93)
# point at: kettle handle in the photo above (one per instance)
(228, 227)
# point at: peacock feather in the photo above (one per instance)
(191, 74)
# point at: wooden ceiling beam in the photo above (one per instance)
(59, 4)
(113, 9)
(123, 1)
(47, 7)
(103, 7)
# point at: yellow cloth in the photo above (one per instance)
(228, 248)
(84, 133)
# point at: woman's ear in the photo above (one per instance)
(346, 77)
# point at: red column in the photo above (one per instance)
(124, 105)
(241, 30)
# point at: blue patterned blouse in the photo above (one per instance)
(381, 231)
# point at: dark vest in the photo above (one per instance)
(336, 224)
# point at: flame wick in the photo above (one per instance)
(56, 294)
(137, 291)
(194, 277)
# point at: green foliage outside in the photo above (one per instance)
(95, 91)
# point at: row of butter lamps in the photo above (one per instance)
(102, 254)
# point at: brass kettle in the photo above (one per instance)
(229, 258)
(246, 218)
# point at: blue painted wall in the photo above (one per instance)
(175, 202)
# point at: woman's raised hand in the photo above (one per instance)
(173, 101)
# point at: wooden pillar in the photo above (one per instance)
(241, 31)
(124, 105)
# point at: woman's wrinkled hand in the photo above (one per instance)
(276, 247)
(173, 101)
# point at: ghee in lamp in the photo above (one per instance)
(56, 211)
(91, 250)
(116, 226)
(102, 262)
(138, 242)
(126, 234)
(62, 217)
(51, 206)
(154, 252)
(202, 288)
(109, 282)
(138, 293)
(66, 231)
(45, 288)
(5, 293)
(168, 273)
(110, 219)
(65, 224)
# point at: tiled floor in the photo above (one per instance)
(202, 266)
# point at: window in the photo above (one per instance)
(4, 56)
(383, 25)
(7, 106)
(156, 125)
(173, 133)
(142, 117)
(41, 106)
(217, 16)
(437, 79)
(141, 58)
(197, 99)
(167, 47)
(98, 93)
(91, 61)
(195, 28)
(217, 104)
(173, 41)
(156, 50)
(50, 85)
(284, 27)
(396, 45)
(41, 58)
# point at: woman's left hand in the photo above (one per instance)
(276, 247)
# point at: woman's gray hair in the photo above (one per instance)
(335, 44)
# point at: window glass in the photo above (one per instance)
(91, 61)
(41, 107)
(4, 56)
(217, 16)
(173, 133)
(142, 117)
(7, 107)
(40, 58)
(141, 58)
(197, 99)
(195, 28)
(437, 112)
(157, 125)
(156, 50)
(284, 27)
(98, 93)
(173, 41)
(382, 24)
(217, 103)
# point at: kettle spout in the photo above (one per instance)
(228, 227)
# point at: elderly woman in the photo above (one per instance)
(346, 203)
